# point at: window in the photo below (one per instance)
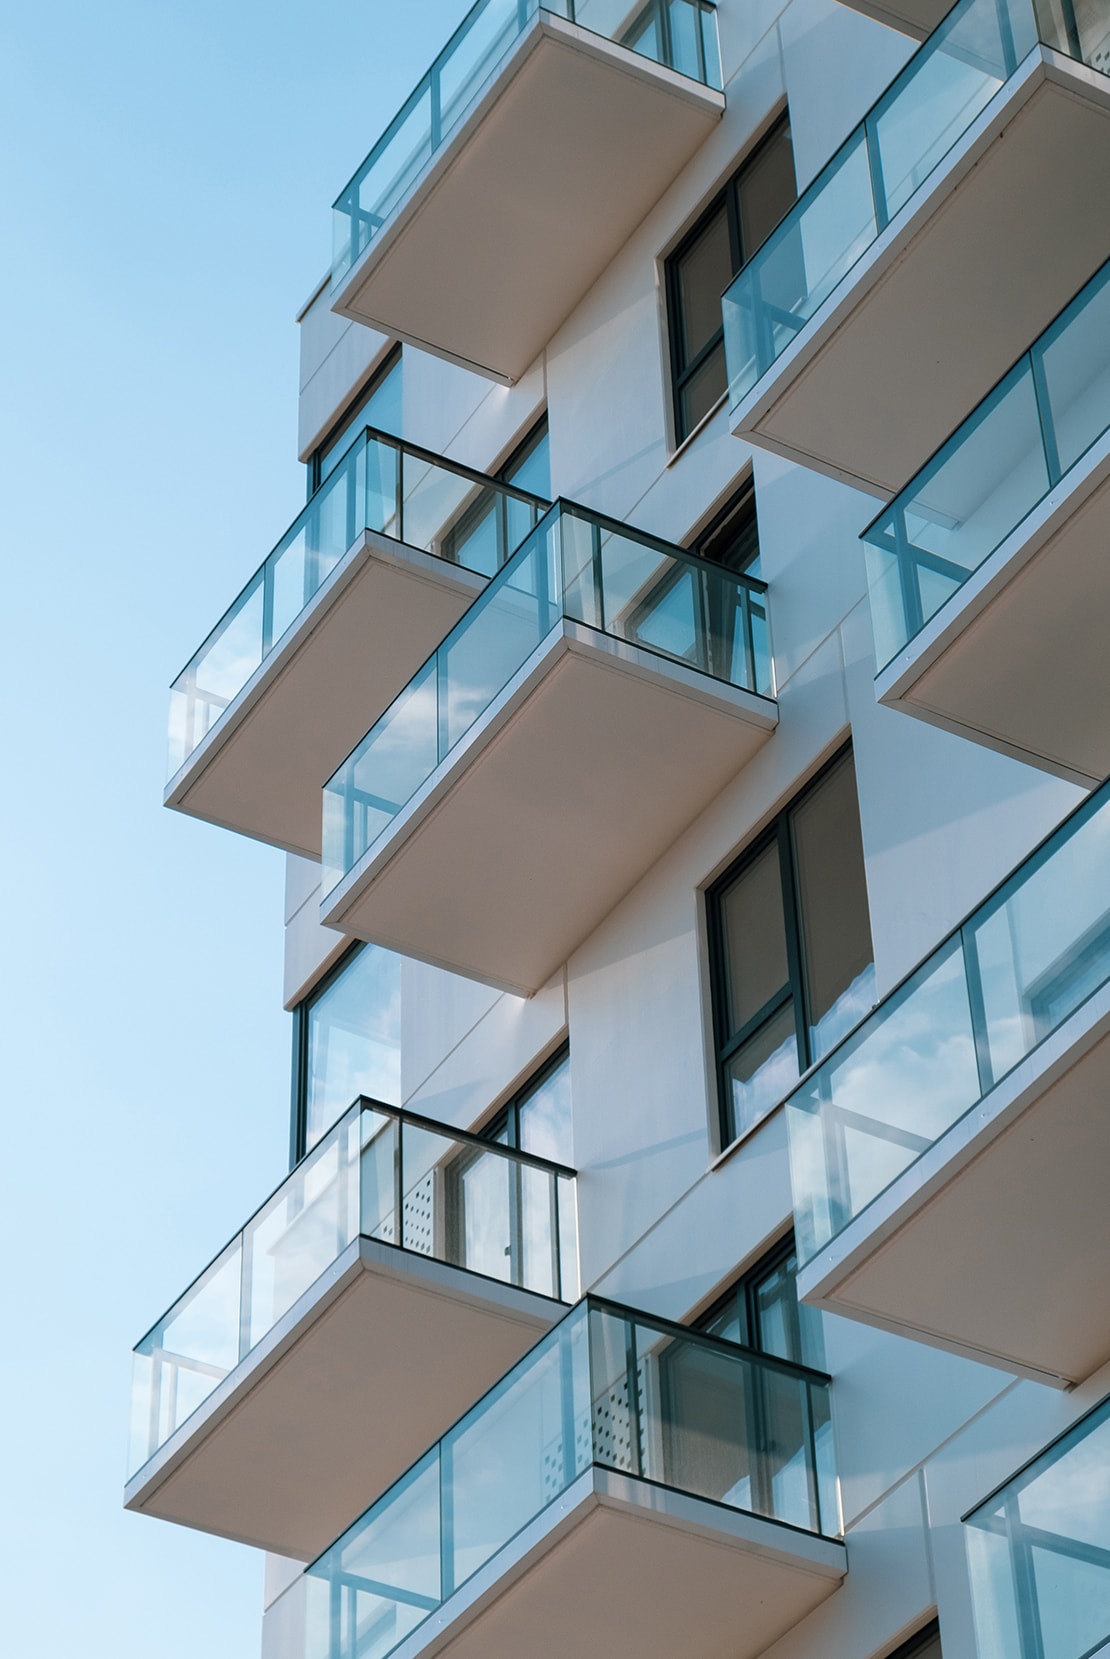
(490, 531)
(537, 1119)
(925, 1645)
(732, 538)
(698, 272)
(790, 943)
(378, 405)
(346, 1043)
(762, 1311)
(678, 35)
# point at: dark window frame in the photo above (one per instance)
(728, 197)
(348, 416)
(919, 1642)
(779, 834)
(744, 1293)
(506, 1119)
(298, 1108)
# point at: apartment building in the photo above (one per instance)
(681, 705)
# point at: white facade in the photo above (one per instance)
(667, 1216)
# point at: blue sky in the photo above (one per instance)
(167, 171)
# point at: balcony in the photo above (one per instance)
(947, 231)
(588, 706)
(1039, 1553)
(949, 1158)
(988, 572)
(629, 1489)
(305, 1368)
(911, 17)
(388, 554)
(482, 216)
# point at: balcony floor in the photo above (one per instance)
(994, 1244)
(1017, 658)
(344, 1395)
(358, 642)
(997, 242)
(513, 220)
(588, 765)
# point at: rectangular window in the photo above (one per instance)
(378, 405)
(346, 1043)
(790, 941)
(537, 1118)
(762, 1311)
(709, 257)
(489, 532)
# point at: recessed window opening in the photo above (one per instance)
(346, 1043)
(378, 405)
(489, 532)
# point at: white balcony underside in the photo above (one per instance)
(1017, 658)
(995, 1243)
(379, 615)
(998, 240)
(344, 1395)
(518, 214)
(588, 765)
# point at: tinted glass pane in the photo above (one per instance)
(530, 468)
(354, 1039)
(704, 272)
(785, 1327)
(767, 190)
(754, 938)
(832, 895)
(545, 1124)
(703, 390)
(382, 408)
(762, 1072)
(734, 539)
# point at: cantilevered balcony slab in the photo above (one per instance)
(539, 764)
(947, 232)
(268, 1413)
(952, 1208)
(556, 142)
(988, 573)
(635, 1497)
(364, 585)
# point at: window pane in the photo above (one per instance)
(754, 938)
(766, 189)
(730, 1322)
(382, 409)
(785, 1327)
(733, 541)
(762, 1072)
(530, 468)
(704, 272)
(832, 902)
(703, 390)
(545, 1123)
(354, 1039)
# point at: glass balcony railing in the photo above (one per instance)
(606, 1387)
(979, 1005)
(577, 565)
(680, 34)
(382, 1174)
(885, 161)
(1022, 440)
(1039, 1553)
(380, 485)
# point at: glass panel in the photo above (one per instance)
(1075, 358)
(1040, 1556)
(1025, 961)
(754, 936)
(379, 1177)
(926, 109)
(767, 191)
(703, 273)
(485, 1197)
(762, 1072)
(381, 408)
(704, 390)
(545, 1116)
(832, 895)
(353, 1039)
(574, 563)
(786, 1327)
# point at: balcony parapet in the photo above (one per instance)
(883, 306)
(504, 131)
(388, 553)
(396, 1241)
(621, 676)
(948, 1157)
(695, 1478)
(987, 573)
